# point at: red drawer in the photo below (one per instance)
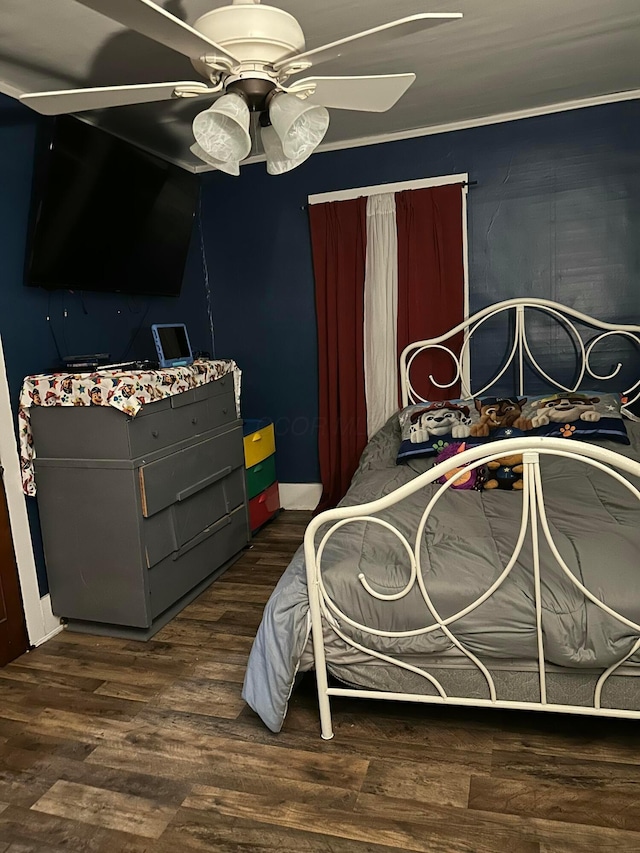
(264, 506)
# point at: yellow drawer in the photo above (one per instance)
(258, 445)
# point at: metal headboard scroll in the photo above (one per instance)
(520, 351)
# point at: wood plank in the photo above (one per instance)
(16, 758)
(81, 702)
(39, 743)
(202, 610)
(231, 591)
(132, 692)
(208, 831)
(165, 790)
(191, 633)
(400, 831)
(220, 671)
(21, 787)
(203, 696)
(282, 790)
(79, 727)
(614, 807)
(565, 768)
(235, 774)
(198, 746)
(604, 740)
(22, 825)
(15, 709)
(101, 807)
(570, 844)
(562, 837)
(15, 672)
(119, 670)
(448, 785)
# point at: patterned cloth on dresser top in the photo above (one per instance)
(125, 390)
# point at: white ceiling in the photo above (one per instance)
(504, 56)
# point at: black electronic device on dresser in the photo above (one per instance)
(139, 515)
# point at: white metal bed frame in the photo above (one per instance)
(324, 611)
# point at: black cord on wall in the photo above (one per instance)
(205, 274)
(53, 334)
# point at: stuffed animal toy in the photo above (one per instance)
(471, 480)
(571, 407)
(498, 412)
(505, 473)
(440, 418)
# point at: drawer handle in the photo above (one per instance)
(202, 484)
(262, 499)
(224, 411)
(155, 433)
(223, 382)
(257, 468)
(194, 421)
(257, 437)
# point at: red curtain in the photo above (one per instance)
(430, 280)
(339, 234)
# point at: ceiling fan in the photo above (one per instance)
(247, 52)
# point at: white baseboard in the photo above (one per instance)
(300, 495)
(51, 623)
(50, 635)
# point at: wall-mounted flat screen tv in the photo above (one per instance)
(106, 215)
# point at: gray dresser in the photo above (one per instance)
(139, 515)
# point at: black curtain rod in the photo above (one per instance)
(462, 184)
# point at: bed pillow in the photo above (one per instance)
(428, 428)
(588, 415)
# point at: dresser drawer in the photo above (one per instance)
(260, 476)
(179, 476)
(159, 429)
(263, 507)
(176, 575)
(258, 445)
(170, 529)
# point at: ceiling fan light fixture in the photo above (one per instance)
(300, 126)
(222, 131)
(231, 167)
(277, 161)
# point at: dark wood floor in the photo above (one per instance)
(111, 746)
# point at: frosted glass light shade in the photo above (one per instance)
(231, 167)
(222, 131)
(301, 126)
(277, 162)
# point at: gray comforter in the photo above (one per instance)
(469, 539)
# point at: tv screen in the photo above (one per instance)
(106, 215)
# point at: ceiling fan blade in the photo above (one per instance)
(369, 38)
(77, 100)
(153, 21)
(373, 94)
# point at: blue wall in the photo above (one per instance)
(555, 214)
(93, 322)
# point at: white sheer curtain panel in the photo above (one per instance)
(381, 311)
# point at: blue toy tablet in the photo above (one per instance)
(172, 344)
